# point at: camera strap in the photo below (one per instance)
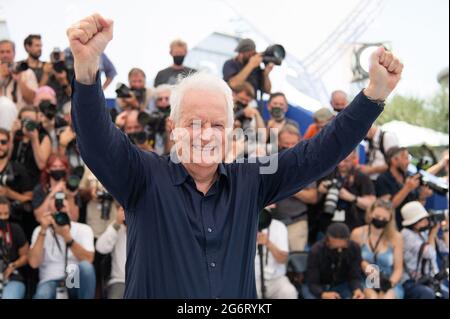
(372, 247)
(66, 254)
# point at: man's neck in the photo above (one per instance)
(203, 177)
(177, 67)
(397, 175)
(3, 163)
(33, 63)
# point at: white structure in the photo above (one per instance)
(411, 135)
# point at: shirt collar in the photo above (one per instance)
(179, 174)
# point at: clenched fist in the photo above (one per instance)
(88, 39)
(384, 74)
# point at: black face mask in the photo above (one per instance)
(379, 223)
(422, 229)
(3, 223)
(58, 175)
(164, 110)
(178, 59)
(239, 106)
(277, 114)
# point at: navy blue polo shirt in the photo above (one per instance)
(181, 243)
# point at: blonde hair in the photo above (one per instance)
(391, 228)
(178, 43)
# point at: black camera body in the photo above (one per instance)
(48, 109)
(7, 177)
(30, 125)
(436, 217)
(332, 197)
(61, 218)
(153, 123)
(274, 54)
(239, 115)
(20, 67)
(106, 201)
(123, 91)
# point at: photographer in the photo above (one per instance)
(17, 82)
(100, 210)
(56, 178)
(16, 185)
(58, 245)
(334, 267)
(57, 74)
(31, 143)
(113, 241)
(245, 67)
(339, 100)
(178, 51)
(137, 96)
(395, 184)
(321, 118)
(421, 247)
(274, 240)
(293, 211)
(345, 195)
(8, 112)
(33, 46)
(13, 254)
(378, 143)
(246, 116)
(381, 246)
(128, 122)
(67, 141)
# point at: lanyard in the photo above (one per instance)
(372, 247)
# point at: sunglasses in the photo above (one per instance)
(162, 99)
(3, 142)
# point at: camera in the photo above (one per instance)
(72, 183)
(106, 201)
(30, 125)
(332, 198)
(48, 109)
(153, 123)
(55, 55)
(59, 200)
(438, 185)
(19, 67)
(61, 219)
(274, 54)
(139, 138)
(436, 217)
(60, 65)
(239, 115)
(123, 91)
(7, 177)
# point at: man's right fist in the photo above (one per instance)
(88, 39)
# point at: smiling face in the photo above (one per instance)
(200, 129)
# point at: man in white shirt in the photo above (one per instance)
(114, 241)
(56, 250)
(275, 256)
(378, 143)
(17, 85)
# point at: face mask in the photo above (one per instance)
(164, 110)
(239, 106)
(3, 223)
(277, 114)
(379, 223)
(178, 60)
(58, 175)
(422, 229)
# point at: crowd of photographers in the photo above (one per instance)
(361, 232)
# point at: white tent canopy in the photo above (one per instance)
(411, 135)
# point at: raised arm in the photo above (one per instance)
(109, 154)
(312, 159)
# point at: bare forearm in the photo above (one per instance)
(400, 197)
(81, 254)
(107, 83)
(27, 93)
(13, 195)
(267, 83)
(36, 254)
(308, 196)
(40, 154)
(280, 256)
(364, 202)
(241, 77)
(73, 209)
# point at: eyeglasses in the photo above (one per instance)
(165, 98)
(382, 203)
(3, 142)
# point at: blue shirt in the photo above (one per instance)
(180, 243)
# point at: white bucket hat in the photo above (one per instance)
(412, 212)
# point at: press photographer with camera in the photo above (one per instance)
(245, 67)
(396, 186)
(421, 249)
(334, 267)
(31, 143)
(293, 211)
(135, 96)
(246, 116)
(56, 178)
(278, 107)
(16, 185)
(113, 241)
(128, 122)
(100, 210)
(171, 75)
(33, 46)
(378, 143)
(17, 81)
(58, 245)
(57, 74)
(345, 195)
(275, 251)
(381, 246)
(13, 254)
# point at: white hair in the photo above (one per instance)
(163, 88)
(201, 81)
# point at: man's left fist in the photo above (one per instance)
(384, 74)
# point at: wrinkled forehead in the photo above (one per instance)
(205, 105)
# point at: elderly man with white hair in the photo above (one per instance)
(192, 219)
